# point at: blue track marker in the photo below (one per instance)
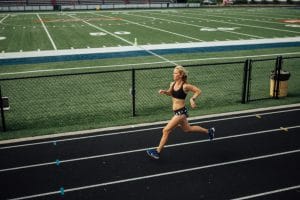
(57, 162)
(62, 191)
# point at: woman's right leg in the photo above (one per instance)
(168, 129)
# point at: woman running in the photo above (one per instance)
(178, 90)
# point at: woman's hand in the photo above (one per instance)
(193, 103)
(162, 91)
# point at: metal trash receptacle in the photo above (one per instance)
(283, 83)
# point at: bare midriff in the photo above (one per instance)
(178, 103)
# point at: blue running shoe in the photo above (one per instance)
(211, 133)
(153, 153)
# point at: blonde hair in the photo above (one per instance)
(183, 72)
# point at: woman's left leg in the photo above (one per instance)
(186, 127)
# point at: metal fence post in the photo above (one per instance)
(133, 91)
(246, 81)
(277, 70)
(2, 112)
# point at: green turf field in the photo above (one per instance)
(58, 104)
(66, 30)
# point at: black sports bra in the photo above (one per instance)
(178, 94)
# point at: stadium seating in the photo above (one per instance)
(52, 2)
(75, 2)
(13, 3)
(93, 2)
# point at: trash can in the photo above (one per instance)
(283, 83)
(57, 7)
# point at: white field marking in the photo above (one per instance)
(261, 15)
(144, 149)
(268, 111)
(234, 32)
(153, 47)
(165, 173)
(4, 18)
(46, 30)
(198, 26)
(268, 192)
(154, 28)
(124, 40)
(252, 26)
(147, 63)
(225, 15)
(293, 25)
(136, 11)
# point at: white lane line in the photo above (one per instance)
(268, 111)
(47, 32)
(51, 138)
(154, 28)
(124, 40)
(144, 149)
(164, 174)
(268, 193)
(149, 63)
(194, 25)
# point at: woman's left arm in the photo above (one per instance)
(197, 92)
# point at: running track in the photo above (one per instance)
(251, 157)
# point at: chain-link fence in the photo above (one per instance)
(261, 83)
(292, 66)
(220, 84)
(260, 78)
(91, 99)
(69, 100)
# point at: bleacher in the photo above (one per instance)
(98, 2)
(52, 2)
(160, 1)
(138, 1)
(13, 3)
(75, 2)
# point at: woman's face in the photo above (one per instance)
(177, 75)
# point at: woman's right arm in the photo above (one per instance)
(167, 92)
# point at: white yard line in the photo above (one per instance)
(47, 32)
(124, 40)
(238, 24)
(235, 16)
(180, 171)
(148, 63)
(4, 18)
(194, 25)
(154, 28)
(257, 14)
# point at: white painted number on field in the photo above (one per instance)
(117, 33)
(122, 33)
(293, 25)
(2, 38)
(98, 34)
(219, 29)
